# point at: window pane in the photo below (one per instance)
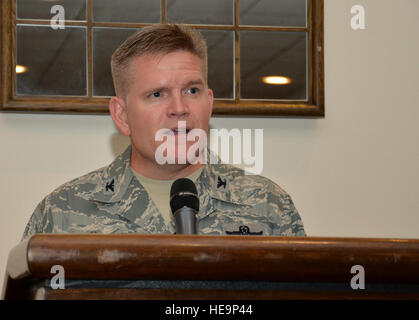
(105, 42)
(55, 60)
(291, 13)
(279, 54)
(41, 9)
(200, 11)
(220, 62)
(134, 11)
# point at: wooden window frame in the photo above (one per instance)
(312, 107)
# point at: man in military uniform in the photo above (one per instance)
(160, 78)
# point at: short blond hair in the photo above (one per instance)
(155, 40)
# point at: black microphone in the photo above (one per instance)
(184, 202)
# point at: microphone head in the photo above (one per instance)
(183, 193)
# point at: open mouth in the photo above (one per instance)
(180, 130)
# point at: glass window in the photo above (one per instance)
(264, 56)
(54, 60)
(105, 42)
(132, 11)
(220, 46)
(41, 9)
(200, 12)
(273, 65)
(288, 13)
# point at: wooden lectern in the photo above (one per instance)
(213, 267)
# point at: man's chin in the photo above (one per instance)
(181, 156)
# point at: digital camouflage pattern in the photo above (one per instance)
(112, 200)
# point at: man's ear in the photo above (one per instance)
(118, 111)
(210, 100)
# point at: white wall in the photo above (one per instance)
(354, 173)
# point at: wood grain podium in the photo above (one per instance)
(212, 267)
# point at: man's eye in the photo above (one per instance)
(193, 90)
(155, 94)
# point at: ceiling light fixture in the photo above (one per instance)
(20, 69)
(278, 80)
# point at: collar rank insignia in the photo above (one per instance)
(110, 185)
(245, 230)
(221, 183)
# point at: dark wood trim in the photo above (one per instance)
(89, 49)
(243, 267)
(313, 107)
(13, 51)
(208, 294)
(317, 89)
(310, 51)
(185, 256)
(47, 22)
(221, 107)
(141, 25)
(163, 11)
(236, 57)
(8, 39)
(4, 38)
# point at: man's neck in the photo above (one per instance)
(163, 172)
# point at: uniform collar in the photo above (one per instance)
(219, 180)
(215, 181)
(115, 180)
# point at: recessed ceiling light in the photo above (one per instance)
(278, 80)
(20, 69)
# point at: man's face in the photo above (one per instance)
(165, 89)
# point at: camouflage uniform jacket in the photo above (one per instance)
(112, 200)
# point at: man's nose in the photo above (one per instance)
(178, 106)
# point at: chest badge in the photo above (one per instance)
(245, 230)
